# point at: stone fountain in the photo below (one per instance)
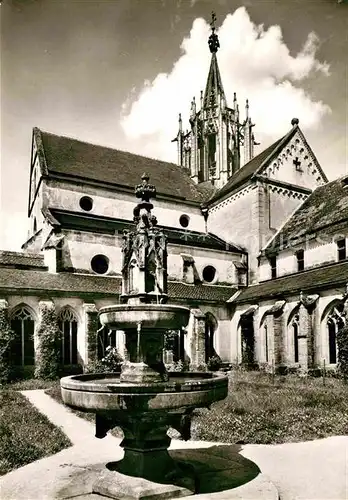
(144, 399)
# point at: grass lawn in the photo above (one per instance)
(25, 434)
(260, 410)
(291, 409)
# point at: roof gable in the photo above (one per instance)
(261, 165)
(294, 162)
(245, 173)
(71, 158)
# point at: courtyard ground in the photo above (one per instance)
(315, 470)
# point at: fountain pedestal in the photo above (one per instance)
(146, 454)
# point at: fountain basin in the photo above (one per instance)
(149, 316)
(105, 392)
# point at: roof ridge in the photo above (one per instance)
(88, 143)
(225, 190)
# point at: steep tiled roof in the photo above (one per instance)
(324, 208)
(108, 225)
(213, 293)
(21, 260)
(70, 157)
(18, 281)
(247, 171)
(311, 281)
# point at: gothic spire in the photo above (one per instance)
(214, 86)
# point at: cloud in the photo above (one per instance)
(254, 62)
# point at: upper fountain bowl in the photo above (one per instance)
(149, 316)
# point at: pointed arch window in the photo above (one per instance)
(335, 321)
(68, 324)
(211, 325)
(247, 335)
(212, 155)
(23, 325)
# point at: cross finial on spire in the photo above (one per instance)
(213, 19)
(213, 40)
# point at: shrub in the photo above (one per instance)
(281, 370)
(201, 368)
(214, 363)
(178, 366)
(342, 344)
(111, 362)
(47, 360)
(170, 339)
(6, 340)
(315, 372)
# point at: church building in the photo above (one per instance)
(256, 244)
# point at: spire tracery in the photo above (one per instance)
(211, 149)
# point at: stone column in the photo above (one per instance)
(91, 326)
(196, 334)
(278, 330)
(305, 336)
(278, 327)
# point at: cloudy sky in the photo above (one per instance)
(118, 72)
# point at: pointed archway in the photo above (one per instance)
(211, 325)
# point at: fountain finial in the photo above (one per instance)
(145, 191)
(144, 270)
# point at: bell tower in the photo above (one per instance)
(211, 148)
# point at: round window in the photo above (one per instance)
(209, 273)
(184, 220)
(100, 264)
(86, 203)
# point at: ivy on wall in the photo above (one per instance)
(92, 337)
(6, 339)
(342, 344)
(48, 352)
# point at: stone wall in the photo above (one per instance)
(322, 249)
(118, 204)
